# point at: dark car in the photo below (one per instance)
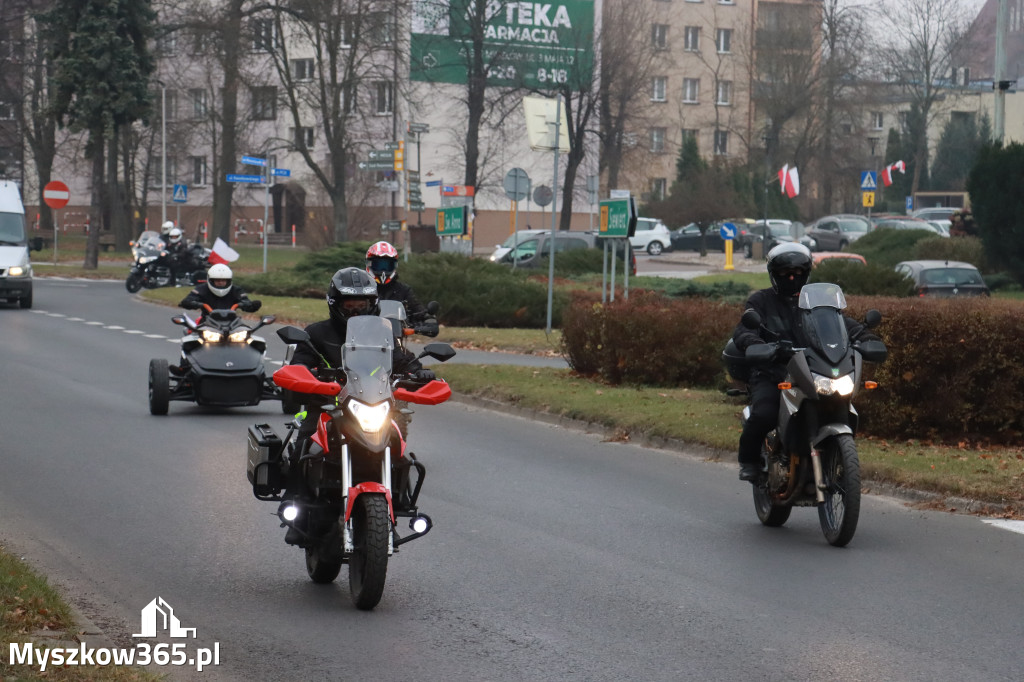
(535, 245)
(777, 232)
(945, 278)
(689, 238)
(836, 232)
(889, 222)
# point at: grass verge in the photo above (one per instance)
(31, 610)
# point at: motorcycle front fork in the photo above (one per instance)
(346, 482)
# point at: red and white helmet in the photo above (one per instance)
(381, 262)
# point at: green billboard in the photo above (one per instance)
(451, 222)
(525, 44)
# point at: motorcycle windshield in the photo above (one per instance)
(821, 304)
(366, 358)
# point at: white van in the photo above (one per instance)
(15, 267)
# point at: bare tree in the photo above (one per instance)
(925, 41)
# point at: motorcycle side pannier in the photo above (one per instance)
(263, 461)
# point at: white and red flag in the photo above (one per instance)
(222, 253)
(789, 181)
(888, 170)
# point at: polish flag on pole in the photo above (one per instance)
(783, 174)
(887, 172)
(792, 183)
(222, 253)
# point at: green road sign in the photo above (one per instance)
(543, 46)
(416, 205)
(414, 176)
(392, 146)
(451, 221)
(391, 225)
(615, 215)
(376, 165)
(382, 155)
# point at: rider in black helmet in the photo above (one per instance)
(789, 266)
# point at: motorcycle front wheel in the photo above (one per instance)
(159, 386)
(368, 565)
(841, 471)
(133, 283)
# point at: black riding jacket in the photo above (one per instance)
(419, 318)
(328, 337)
(202, 294)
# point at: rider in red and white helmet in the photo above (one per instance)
(382, 265)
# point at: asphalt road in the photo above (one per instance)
(554, 556)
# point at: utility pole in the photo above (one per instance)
(1000, 103)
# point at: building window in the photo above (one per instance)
(692, 41)
(658, 186)
(659, 36)
(264, 103)
(877, 120)
(723, 40)
(721, 142)
(302, 69)
(263, 34)
(198, 166)
(167, 44)
(657, 140)
(385, 97)
(382, 28)
(303, 137)
(198, 97)
(726, 2)
(156, 171)
(691, 90)
(348, 31)
(659, 84)
(724, 93)
(7, 111)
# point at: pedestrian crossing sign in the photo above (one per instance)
(868, 181)
(180, 194)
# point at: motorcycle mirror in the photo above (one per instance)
(873, 318)
(433, 307)
(267, 319)
(439, 351)
(750, 319)
(292, 335)
(178, 319)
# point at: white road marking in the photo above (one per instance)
(75, 319)
(1015, 526)
(94, 324)
(155, 336)
(114, 327)
(134, 331)
(56, 314)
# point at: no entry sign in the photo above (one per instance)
(56, 194)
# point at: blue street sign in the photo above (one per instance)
(433, 183)
(910, 204)
(728, 231)
(180, 194)
(283, 172)
(244, 178)
(254, 161)
(868, 181)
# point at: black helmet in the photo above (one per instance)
(351, 292)
(786, 257)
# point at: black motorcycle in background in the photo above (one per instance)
(154, 267)
(810, 459)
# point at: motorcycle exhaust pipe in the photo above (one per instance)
(819, 479)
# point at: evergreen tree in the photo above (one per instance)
(690, 163)
(962, 139)
(998, 205)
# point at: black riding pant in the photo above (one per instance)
(764, 415)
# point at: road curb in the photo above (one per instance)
(909, 496)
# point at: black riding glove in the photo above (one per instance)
(424, 375)
(427, 327)
(250, 306)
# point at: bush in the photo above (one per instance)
(885, 248)
(966, 249)
(858, 279)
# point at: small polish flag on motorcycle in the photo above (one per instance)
(222, 253)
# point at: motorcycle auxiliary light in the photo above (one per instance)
(289, 512)
(371, 418)
(826, 386)
(420, 524)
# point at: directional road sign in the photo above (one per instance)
(180, 194)
(416, 205)
(391, 225)
(254, 161)
(517, 184)
(418, 127)
(282, 172)
(433, 183)
(616, 215)
(868, 181)
(393, 146)
(376, 165)
(244, 178)
(414, 176)
(382, 154)
(727, 231)
(451, 221)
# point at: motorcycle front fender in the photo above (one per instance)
(830, 431)
(368, 487)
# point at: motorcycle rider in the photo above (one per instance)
(219, 293)
(382, 265)
(351, 292)
(789, 265)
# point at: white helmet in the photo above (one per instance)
(219, 279)
(174, 236)
(167, 227)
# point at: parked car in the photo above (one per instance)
(935, 213)
(942, 225)
(836, 232)
(776, 232)
(944, 278)
(689, 238)
(534, 246)
(820, 256)
(905, 223)
(652, 236)
(515, 238)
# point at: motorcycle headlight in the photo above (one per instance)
(16, 271)
(238, 337)
(371, 418)
(146, 259)
(825, 386)
(212, 337)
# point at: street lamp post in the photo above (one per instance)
(163, 153)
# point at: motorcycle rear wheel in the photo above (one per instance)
(133, 283)
(368, 565)
(159, 386)
(770, 514)
(841, 470)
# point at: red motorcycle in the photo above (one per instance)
(358, 476)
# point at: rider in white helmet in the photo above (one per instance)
(167, 226)
(218, 292)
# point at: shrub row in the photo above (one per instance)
(954, 369)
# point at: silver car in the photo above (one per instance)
(836, 232)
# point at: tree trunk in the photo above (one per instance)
(92, 244)
(223, 190)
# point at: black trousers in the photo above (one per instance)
(764, 415)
